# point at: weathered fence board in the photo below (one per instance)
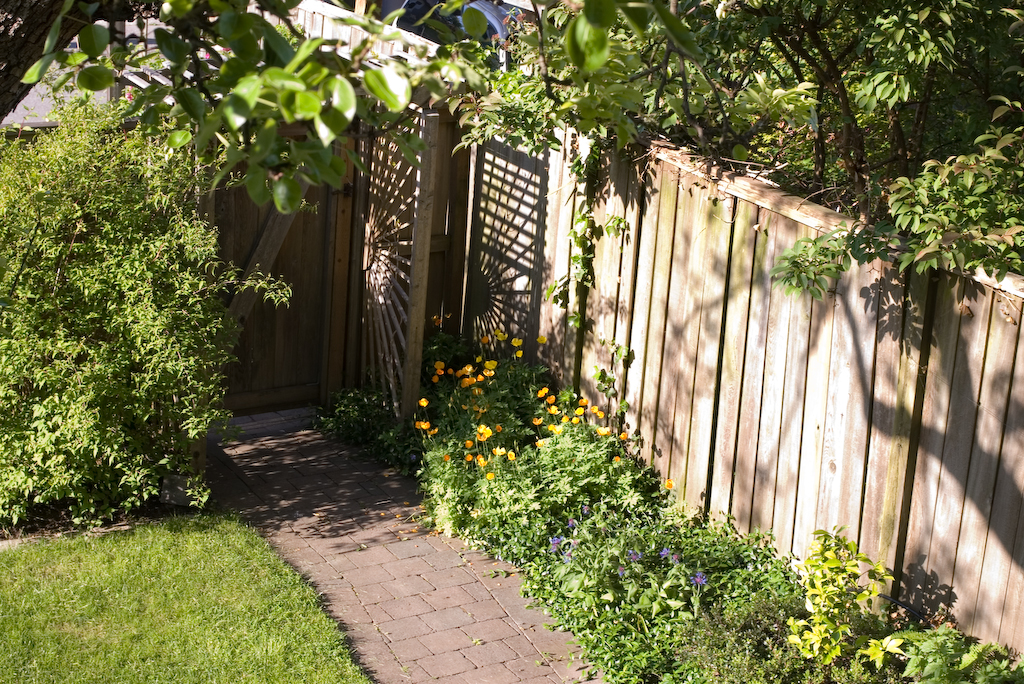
(892, 406)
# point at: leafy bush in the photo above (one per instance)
(539, 479)
(111, 350)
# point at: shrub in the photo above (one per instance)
(111, 350)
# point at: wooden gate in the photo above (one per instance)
(413, 254)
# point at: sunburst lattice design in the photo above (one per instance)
(504, 290)
(386, 265)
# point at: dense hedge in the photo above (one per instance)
(115, 330)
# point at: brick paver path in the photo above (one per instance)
(417, 607)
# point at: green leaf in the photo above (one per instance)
(236, 111)
(277, 45)
(192, 102)
(287, 195)
(324, 131)
(587, 45)
(306, 48)
(38, 70)
(278, 78)
(95, 78)
(94, 39)
(304, 104)
(54, 34)
(256, 185)
(179, 138)
(600, 13)
(342, 96)
(682, 36)
(637, 14)
(474, 21)
(174, 49)
(388, 86)
(248, 89)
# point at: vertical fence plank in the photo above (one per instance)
(422, 230)
(715, 266)
(1002, 577)
(812, 437)
(662, 177)
(682, 330)
(984, 470)
(735, 339)
(556, 255)
(780, 306)
(654, 328)
(846, 431)
(897, 366)
(787, 484)
(753, 373)
(629, 245)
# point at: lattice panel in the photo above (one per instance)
(386, 264)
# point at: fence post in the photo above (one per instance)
(422, 229)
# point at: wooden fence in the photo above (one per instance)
(893, 407)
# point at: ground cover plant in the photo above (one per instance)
(115, 331)
(190, 599)
(542, 479)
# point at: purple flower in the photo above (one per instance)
(622, 571)
(634, 555)
(555, 543)
(572, 523)
(700, 579)
(586, 510)
(675, 558)
(664, 553)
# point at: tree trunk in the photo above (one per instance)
(24, 25)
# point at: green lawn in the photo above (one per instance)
(191, 599)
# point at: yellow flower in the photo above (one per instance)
(583, 402)
(469, 444)
(433, 432)
(490, 476)
(542, 340)
(469, 457)
(447, 457)
(557, 430)
(538, 421)
(424, 402)
(439, 365)
(580, 411)
(594, 409)
(516, 342)
(483, 432)
(604, 431)
(490, 365)
(600, 414)
(624, 436)
(539, 443)
(542, 391)
(575, 420)
(616, 459)
(669, 484)
(500, 334)
(511, 455)
(434, 379)
(552, 399)
(553, 410)
(565, 419)
(481, 461)
(489, 373)
(552, 427)
(478, 360)
(485, 339)
(519, 354)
